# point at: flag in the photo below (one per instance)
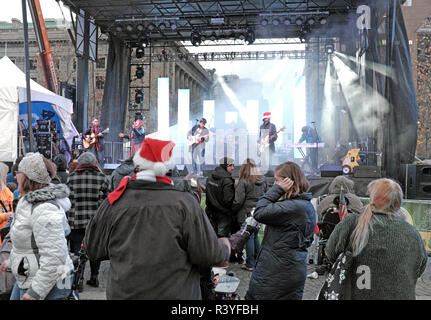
(342, 212)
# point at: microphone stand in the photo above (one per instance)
(317, 143)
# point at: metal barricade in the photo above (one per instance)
(115, 151)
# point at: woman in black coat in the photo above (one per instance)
(281, 266)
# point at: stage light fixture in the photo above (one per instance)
(139, 96)
(143, 42)
(275, 22)
(329, 48)
(213, 37)
(196, 38)
(299, 21)
(162, 26)
(242, 37)
(323, 20)
(173, 26)
(140, 27)
(139, 72)
(151, 27)
(251, 37)
(119, 28)
(311, 21)
(287, 22)
(139, 53)
(129, 28)
(264, 22)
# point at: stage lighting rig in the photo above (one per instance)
(139, 72)
(139, 96)
(139, 53)
(250, 37)
(143, 42)
(196, 38)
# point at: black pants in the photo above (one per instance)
(75, 239)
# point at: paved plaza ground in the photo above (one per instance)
(312, 286)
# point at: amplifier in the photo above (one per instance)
(44, 144)
(46, 125)
(367, 172)
(331, 171)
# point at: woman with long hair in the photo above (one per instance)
(39, 259)
(250, 187)
(290, 219)
(136, 136)
(389, 253)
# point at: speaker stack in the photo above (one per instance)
(46, 138)
(416, 181)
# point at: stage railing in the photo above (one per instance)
(115, 151)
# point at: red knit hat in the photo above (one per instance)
(266, 115)
(155, 155)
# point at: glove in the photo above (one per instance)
(251, 225)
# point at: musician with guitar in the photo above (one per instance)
(267, 135)
(197, 137)
(94, 141)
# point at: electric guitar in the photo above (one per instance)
(264, 142)
(191, 140)
(91, 139)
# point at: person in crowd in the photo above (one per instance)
(136, 136)
(72, 165)
(220, 193)
(250, 187)
(97, 147)
(88, 187)
(159, 244)
(280, 270)
(127, 168)
(380, 239)
(200, 134)
(309, 135)
(39, 258)
(60, 161)
(6, 198)
(11, 176)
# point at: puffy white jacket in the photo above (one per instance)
(49, 225)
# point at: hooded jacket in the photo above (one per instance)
(246, 196)
(281, 265)
(354, 203)
(123, 170)
(48, 223)
(220, 192)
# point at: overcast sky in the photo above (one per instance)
(50, 9)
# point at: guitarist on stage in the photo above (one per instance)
(268, 129)
(97, 147)
(198, 149)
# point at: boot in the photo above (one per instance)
(94, 282)
(80, 285)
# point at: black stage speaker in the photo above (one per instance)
(416, 181)
(331, 170)
(367, 172)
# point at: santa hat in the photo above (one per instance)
(266, 115)
(155, 155)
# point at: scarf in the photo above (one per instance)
(146, 175)
(86, 167)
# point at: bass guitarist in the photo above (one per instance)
(201, 135)
(268, 129)
(97, 146)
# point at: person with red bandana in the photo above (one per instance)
(157, 238)
(97, 147)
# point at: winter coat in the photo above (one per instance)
(123, 170)
(61, 163)
(281, 265)
(157, 239)
(87, 190)
(48, 223)
(138, 135)
(394, 255)
(354, 202)
(246, 196)
(220, 193)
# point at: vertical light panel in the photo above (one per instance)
(299, 113)
(183, 113)
(209, 112)
(253, 116)
(163, 108)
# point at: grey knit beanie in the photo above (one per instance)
(34, 168)
(87, 158)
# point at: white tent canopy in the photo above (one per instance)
(13, 92)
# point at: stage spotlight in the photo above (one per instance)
(173, 26)
(251, 37)
(329, 48)
(311, 21)
(287, 22)
(196, 38)
(275, 22)
(139, 72)
(264, 22)
(323, 20)
(139, 53)
(119, 28)
(143, 42)
(151, 27)
(162, 26)
(139, 96)
(140, 27)
(242, 37)
(299, 21)
(129, 28)
(213, 37)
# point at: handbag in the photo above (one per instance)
(7, 280)
(337, 285)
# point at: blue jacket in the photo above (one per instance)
(138, 135)
(281, 266)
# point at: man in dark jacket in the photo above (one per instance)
(127, 168)
(220, 193)
(156, 236)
